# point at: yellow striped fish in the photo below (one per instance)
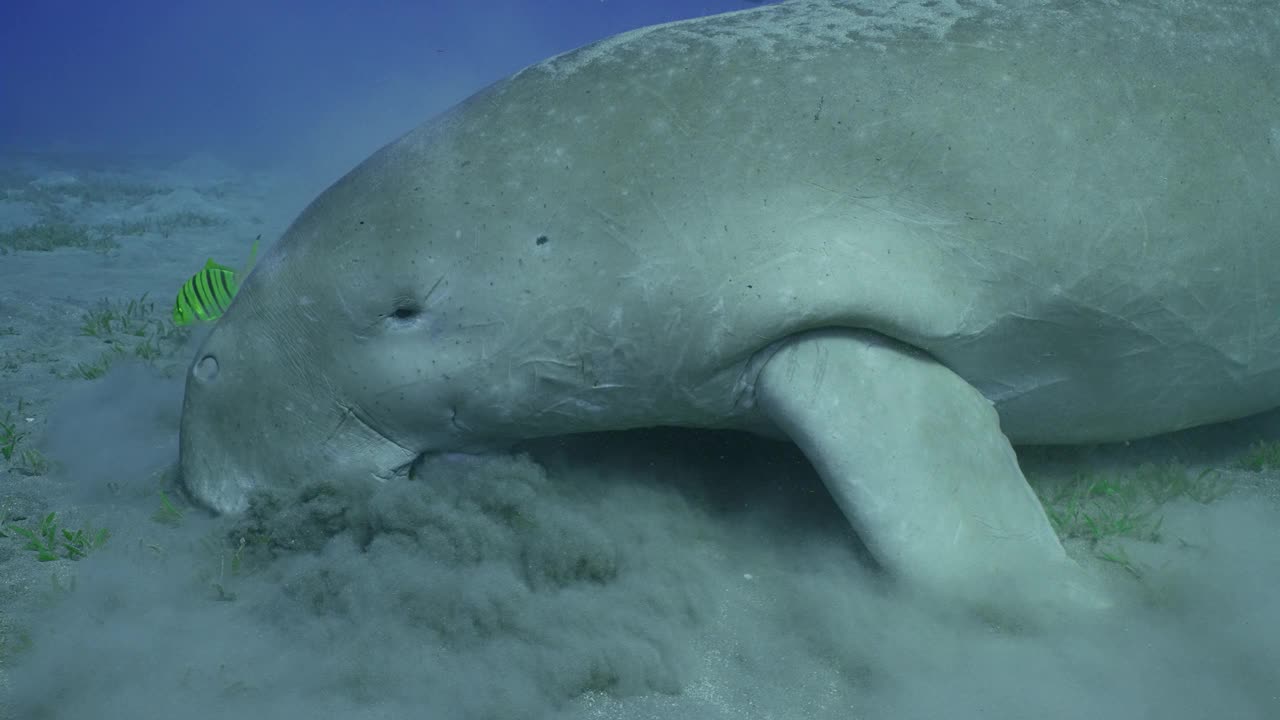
(209, 292)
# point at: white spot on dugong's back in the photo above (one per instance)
(808, 23)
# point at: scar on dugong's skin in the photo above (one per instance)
(901, 234)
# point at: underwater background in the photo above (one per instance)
(666, 574)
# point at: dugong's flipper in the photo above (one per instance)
(915, 458)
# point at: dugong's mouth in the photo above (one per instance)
(219, 486)
(356, 441)
(222, 469)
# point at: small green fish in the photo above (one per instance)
(209, 292)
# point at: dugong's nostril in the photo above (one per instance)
(207, 369)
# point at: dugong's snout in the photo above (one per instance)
(216, 441)
(249, 425)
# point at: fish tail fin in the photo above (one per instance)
(253, 257)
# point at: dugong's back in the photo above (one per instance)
(1073, 204)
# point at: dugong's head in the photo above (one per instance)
(361, 341)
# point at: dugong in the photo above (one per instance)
(903, 235)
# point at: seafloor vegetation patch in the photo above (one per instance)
(10, 434)
(47, 236)
(14, 360)
(168, 513)
(1262, 455)
(60, 188)
(59, 199)
(50, 235)
(128, 328)
(164, 225)
(13, 450)
(49, 541)
(1101, 507)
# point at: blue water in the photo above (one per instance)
(241, 78)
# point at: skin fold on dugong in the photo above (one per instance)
(901, 234)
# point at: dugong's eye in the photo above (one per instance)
(404, 315)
